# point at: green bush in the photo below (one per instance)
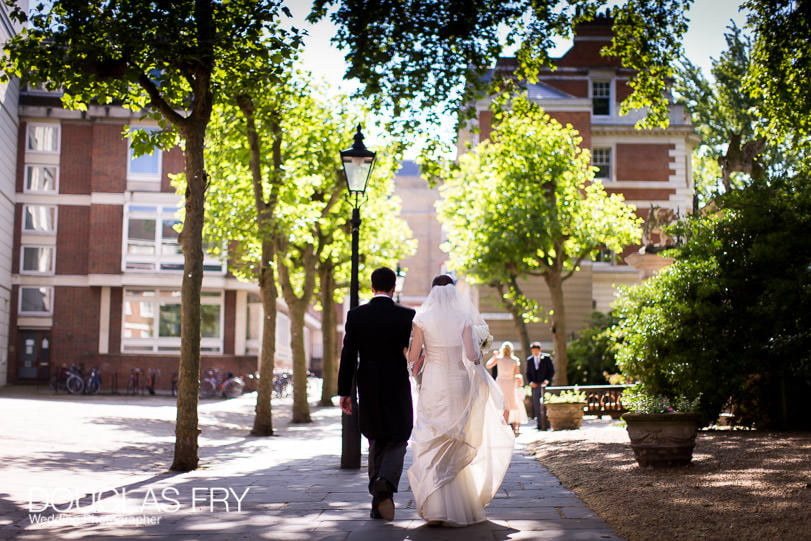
(592, 355)
(730, 320)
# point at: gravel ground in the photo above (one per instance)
(742, 485)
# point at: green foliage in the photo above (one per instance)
(565, 397)
(730, 319)
(430, 55)
(638, 400)
(728, 111)
(526, 203)
(592, 354)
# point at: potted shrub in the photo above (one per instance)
(564, 411)
(662, 430)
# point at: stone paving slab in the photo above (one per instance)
(102, 462)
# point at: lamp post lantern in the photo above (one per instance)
(400, 282)
(357, 163)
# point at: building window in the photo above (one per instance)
(39, 219)
(601, 98)
(40, 178)
(601, 159)
(43, 138)
(152, 241)
(37, 260)
(36, 301)
(152, 321)
(146, 167)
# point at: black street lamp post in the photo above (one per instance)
(357, 162)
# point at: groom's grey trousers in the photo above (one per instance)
(386, 461)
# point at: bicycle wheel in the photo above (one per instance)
(74, 384)
(232, 388)
(207, 388)
(92, 386)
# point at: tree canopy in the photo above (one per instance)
(527, 203)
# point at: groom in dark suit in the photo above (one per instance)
(375, 340)
(540, 371)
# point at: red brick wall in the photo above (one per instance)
(173, 163)
(75, 333)
(116, 368)
(622, 90)
(106, 230)
(75, 159)
(109, 158)
(72, 240)
(15, 253)
(485, 125)
(587, 53)
(229, 321)
(643, 194)
(644, 162)
(116, 310)
(578, 89)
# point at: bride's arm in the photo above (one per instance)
(472, 352)
(414, 350)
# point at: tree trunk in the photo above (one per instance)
(329, 366)
(301, 408)
(263, 420)
(515, 311)
(297, 309)
(191, 240)
(555, 285)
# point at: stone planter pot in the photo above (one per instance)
(565, 416)
(662, 440)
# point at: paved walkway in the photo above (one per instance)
(99, 465)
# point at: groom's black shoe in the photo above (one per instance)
(382, 499)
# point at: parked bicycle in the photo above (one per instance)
(225, 385)
(282, 381)
(92, 383)
(135, 386)
(69, 379)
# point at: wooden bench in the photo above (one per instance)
(601, 399)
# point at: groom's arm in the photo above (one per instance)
(349, 358)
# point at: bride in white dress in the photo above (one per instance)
(461, 444)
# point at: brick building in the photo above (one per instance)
(651, 168)
(96, 266)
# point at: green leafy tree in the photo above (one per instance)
(592, 355)
(421, 58)
(526, 204)
(730, 120)
(384, 238)
(729, 320)
(284, 217)
(159, 59)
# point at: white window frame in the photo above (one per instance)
(50, 302)
(610, 96)
(144, 177)
(598, 164)
(53, 210)
(158, 262)
(157, 344)
(57, 137)
(27, 180)
(47, 272)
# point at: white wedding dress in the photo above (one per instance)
(460, 443)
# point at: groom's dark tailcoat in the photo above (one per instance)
(379, 331)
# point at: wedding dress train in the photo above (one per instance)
(461, 444)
